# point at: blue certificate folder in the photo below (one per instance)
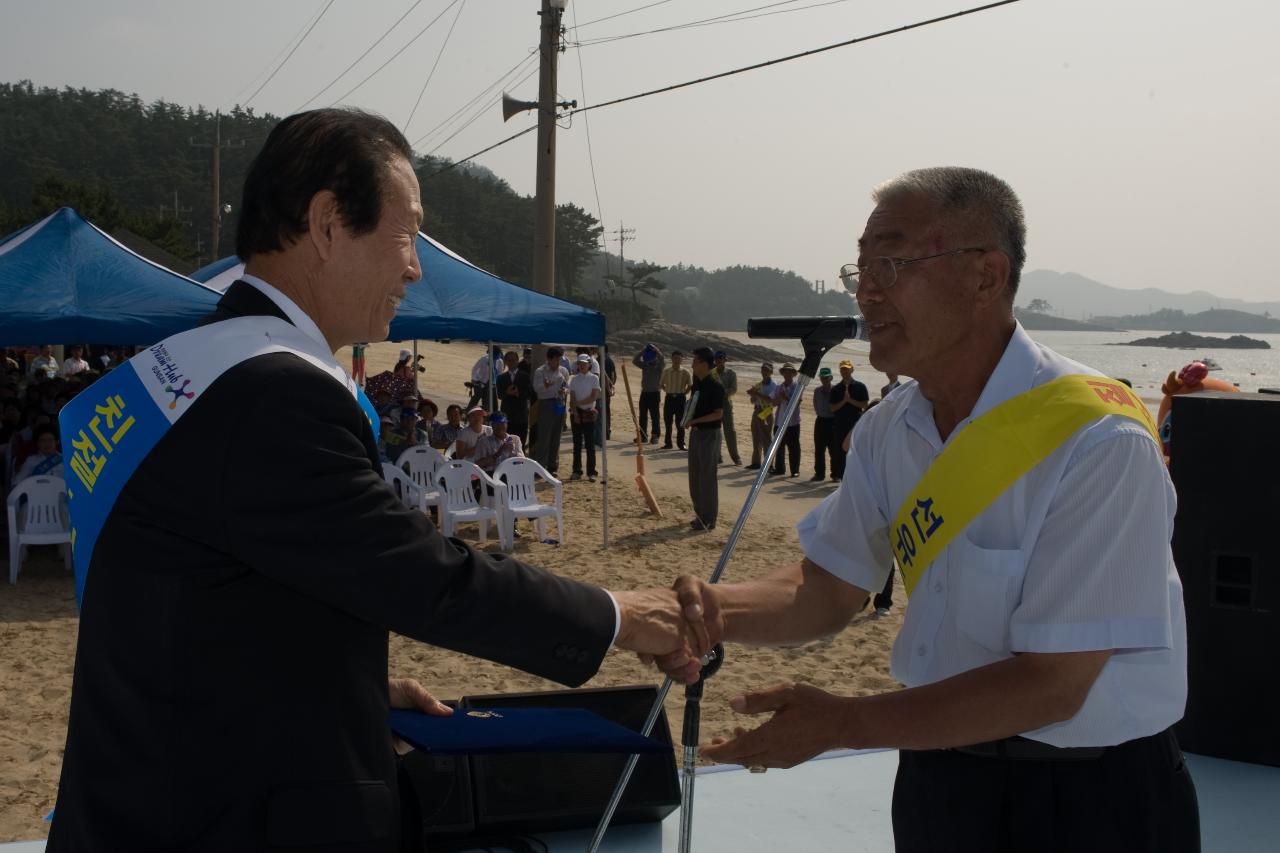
(478, 731)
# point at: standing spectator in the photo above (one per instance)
(357, 362)
(44, 366)
(465, 446)
(515, 394)
(676, 382)
(824, 429)
(728, 379)
(894, 383)
(849, 400)
(46, 461)
(485, 370)
(791, 430)
(703, 416)
(448, 432)
(761, 395)
(584, 392)
(10, 421)
(610, 384)
(498, 446)
(651, 363)
(549, 384)
(74, 363)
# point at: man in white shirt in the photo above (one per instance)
(465, 444)
(550, 382)
(44, 366)
(1044, 647)
(584, 392)
(75, 362)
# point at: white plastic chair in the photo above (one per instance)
(449, 451)
(409, 492)
(520, 500)
(460, 505)
(422, 463)
(37, 509)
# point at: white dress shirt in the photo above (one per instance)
(1075, 556)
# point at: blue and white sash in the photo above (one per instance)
(110, 427)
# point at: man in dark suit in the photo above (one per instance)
(231, 683)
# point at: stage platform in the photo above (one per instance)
(840, 801)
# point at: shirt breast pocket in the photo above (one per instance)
(988, 586)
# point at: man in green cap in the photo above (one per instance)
(824, 429)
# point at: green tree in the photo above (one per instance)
(639, 279)
(1039, 306)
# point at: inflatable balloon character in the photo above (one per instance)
(1191, 379)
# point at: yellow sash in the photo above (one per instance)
(994, 452)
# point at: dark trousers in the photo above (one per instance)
(672, 412)
(584, 435)
(649, 414)
(824, 431)
(704, 487)
(1137, 797)
(838, 432)
(520, 429)
(790, 447)
(884, 598)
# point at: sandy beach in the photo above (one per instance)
(38, 621)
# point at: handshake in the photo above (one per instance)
(672, 628)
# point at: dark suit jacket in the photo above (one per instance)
(230, 687)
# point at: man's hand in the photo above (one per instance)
(409, 694)
(806, 721)
(655, 625)
(702, 616)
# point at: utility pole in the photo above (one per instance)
(544, 209)
(215, 220)
(624, 234)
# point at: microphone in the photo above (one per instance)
(798, 328)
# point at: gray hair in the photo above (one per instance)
(988, 204)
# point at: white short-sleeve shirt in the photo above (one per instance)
(580, 387)
(1075, 556)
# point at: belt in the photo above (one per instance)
(1024, 749)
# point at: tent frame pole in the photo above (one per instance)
(604, 446)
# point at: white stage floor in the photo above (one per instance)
(840, 801)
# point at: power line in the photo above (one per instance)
(620, 14)
(480, 112)
(727, 17)
(591, 159)
(359, 58)
(434, 65)
(509, 73)
(528, 129)
(310, 21)
(397, 53)
(815, 51)
(802, 55)
(285, 61)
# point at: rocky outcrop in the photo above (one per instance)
(670, 337)
(1186, 340)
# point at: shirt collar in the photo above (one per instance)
(300, 319)
(1014, 374)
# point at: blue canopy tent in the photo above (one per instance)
(456, 300)
(63, 279)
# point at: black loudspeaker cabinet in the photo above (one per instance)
(442, 787)
(533, 792)
(1225, 463)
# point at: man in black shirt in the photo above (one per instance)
(515, 395)
(703, 416)
(849, 400)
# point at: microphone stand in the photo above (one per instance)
(817, 342)
(692, 721)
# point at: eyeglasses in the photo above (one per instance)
(883, 272)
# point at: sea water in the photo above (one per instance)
(1146, 367)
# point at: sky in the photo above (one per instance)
(1141, 136)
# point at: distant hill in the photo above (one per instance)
(1073, 295)
(1047, 322)
(1216, 320)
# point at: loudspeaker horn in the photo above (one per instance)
(511, 106)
